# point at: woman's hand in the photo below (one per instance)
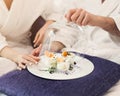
(40, 34)
(56, 46)
(37, 50)
(20, 59)
(24, 60)
(39, 37)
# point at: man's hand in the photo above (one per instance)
(81, 17)
(56, 46)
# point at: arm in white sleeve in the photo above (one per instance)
(5, 50)
(117, 17)
(116, 38)
(66, 35)
(3, 42)
(117, 21)
(111, 23)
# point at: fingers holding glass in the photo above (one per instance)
(69, 14)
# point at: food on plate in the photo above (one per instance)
(58, 62)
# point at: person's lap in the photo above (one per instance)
(6, 66)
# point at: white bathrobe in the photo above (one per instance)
(91, 40)
(15, 27)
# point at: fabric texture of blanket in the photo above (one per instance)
(23, 83)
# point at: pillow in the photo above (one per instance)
(23, 83)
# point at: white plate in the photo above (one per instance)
(85, 68)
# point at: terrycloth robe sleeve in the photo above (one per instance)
(65, 34)
(117, 16)
(3, 42)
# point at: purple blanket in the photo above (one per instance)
(23, 83)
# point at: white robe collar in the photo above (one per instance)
(21, 15)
